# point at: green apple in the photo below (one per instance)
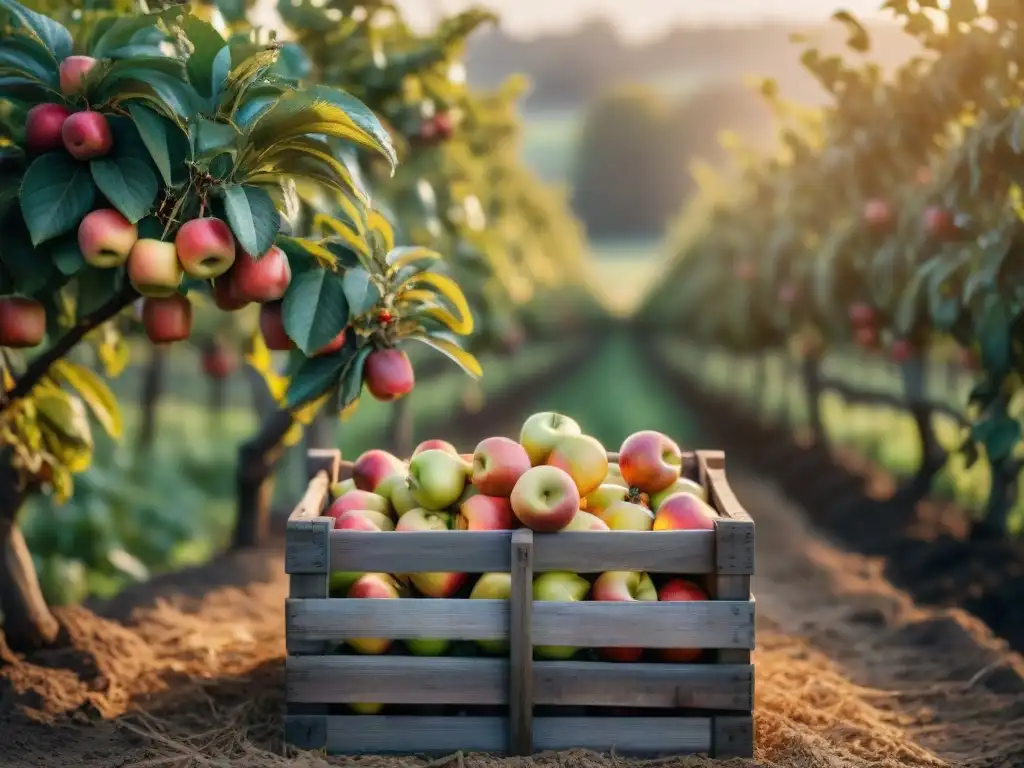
(437, 479)
(364, 708)
(342, 581)
(542, 431)
(605, 495)
(427, 647)
(341, 488)
(614, 476)
(558, 587)
(402, 500)
(682, 485)
(493, 586)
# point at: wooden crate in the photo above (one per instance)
(694, 708)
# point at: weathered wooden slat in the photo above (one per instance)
(311, 505)
(421, 551)
(482, 681)
(689, 552)
(324, 460)
(520, 671)
(336, 619)
(384, 734)
(625, 735)
(705, 624)
(732, 736)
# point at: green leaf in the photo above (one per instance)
(993, 332)
(56, 193)
(124, 31)
(999, 434)
(360, 291)
(128, 184)
(210, 61)
(25, 55)
(53, 36)
(67, 256)
(97, 286)
(153, 130)
(313, 378)
(29, 267)
(315, 309)
(209, 136)
(253, 217)
(352, 378)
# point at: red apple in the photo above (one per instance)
(437, 445)
(224, 296)
(443, 126)
(153, 268)
(861, 314)
(22, 322)
(682, 485)
(43, 125)
(939, 222)
(628, 516)
(86, 135)
(623, 587)
(680, 590)
(498, 463)
(373, 466)
(486, 513)
(72, 71)
(583, 458)
(263, 279)
(272, 327)
(354, 500)
(650, 461)
(374, 586)
(106, 238)
(167, 319)
(388, 374)
(206, 247)
(545, 499)
(877, 214)
(585, 521)
(431, 584)
(369, 520)
(684, 512)
(219, 362)
(866, 337)
(901, 350)
(332, 346)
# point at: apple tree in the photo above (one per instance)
(151, 160)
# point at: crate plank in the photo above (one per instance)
(521, 645)
(395, 735)
(689, 552)
(421, 551)
(485, 681)
(339, 618)
(705, 624)
(732, 736)
(625, 735)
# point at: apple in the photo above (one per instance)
(373, 586)
(224, 295)
(682, 485)
(861, 314)
(545, 499)
(604, 496)
(387, 487)
(373, 466)
(167, 319)
(402, 500)
(541, 431)
(86, 135)
(614, 476)
(650, 461)
(219, 362)
(940, 222)
(43, 125)
(493, 586)
(341, 582)
(427, 647)
(583, 458)
(443, 126)
(363, 520)
(341, 488)
(364, 708)
(437, 445)
(263, 279)
(877, 214)
(153, 268)
(585, 521)
(272, 327)
(628, 587)
(388, 374)
(22, 322)
(901, 350)
(420, 519)
(486, 513)
(628, 516)
(866, 337)
(72, 72)
(437, 479)
(358, 500)
(438, 585)
(498, 463)
(206, 247)
(558, 587)
(680, 590)
(684, 512)
(333, 345)
(788, 294)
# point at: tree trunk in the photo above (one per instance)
(318, 435)
(400, 430)
(810, 372)
(262, 401)
(758, 379)
(1001, 499)
(27, 622)
(257, 460)
(933, 457)
(152, 388)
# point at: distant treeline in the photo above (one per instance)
(633, 160)
(574, 68)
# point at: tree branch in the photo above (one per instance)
(40, 365)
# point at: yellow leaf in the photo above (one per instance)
(403, 257)
(349, 410)
(379, 224)
(342, 231)
(94, 392)
(308, 412)
(454, 352)
(259, 355)
(462, 326)
(293, 435)
(451, 291)
(8, 380)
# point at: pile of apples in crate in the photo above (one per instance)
(554, 479)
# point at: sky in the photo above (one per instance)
(636, 19)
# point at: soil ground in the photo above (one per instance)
(851, 672)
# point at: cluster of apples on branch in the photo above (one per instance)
(554, 479)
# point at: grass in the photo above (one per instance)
(884, 436)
